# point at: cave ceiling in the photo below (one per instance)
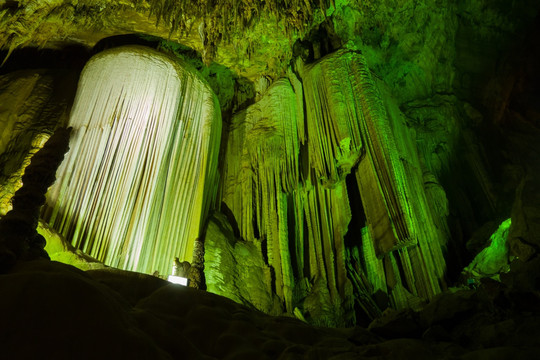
(237, 34)
(402, 39)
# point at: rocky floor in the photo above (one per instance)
(49, 310)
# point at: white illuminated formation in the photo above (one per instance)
(140, 175)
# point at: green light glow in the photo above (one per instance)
(493, 260)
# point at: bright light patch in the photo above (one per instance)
(178, 280)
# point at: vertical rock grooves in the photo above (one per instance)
(389, 176)
(284, 184)
(333, 116)
(135, 187)
(260, 173)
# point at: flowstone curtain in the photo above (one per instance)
(140, 175)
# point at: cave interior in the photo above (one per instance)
(333, 179)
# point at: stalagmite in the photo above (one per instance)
(140, 176)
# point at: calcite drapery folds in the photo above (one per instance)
(140, 176)
(293, 161)
(263, 150)
(344, 107)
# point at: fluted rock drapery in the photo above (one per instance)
(292, 163)
(260, 169)
(141, 173)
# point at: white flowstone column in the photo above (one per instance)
(141, 173)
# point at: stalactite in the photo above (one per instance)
(261, 168)
(365, 273)
(332, 116)
(349, 126)
(140, 176)
(423, 263)
(269, 198)
(327, 216)
(383, 157)
(226, 19)
(285, 183)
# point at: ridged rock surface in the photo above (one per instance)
(140, 176)
(236, 269)
(289, 176)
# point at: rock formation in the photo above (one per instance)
(140, 177)
(284, 183)
(34, 104)
(19, 239)
(378, 168)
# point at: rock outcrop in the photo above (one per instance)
(33, 103)
(19, 239)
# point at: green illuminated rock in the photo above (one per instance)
(236, 268)
(260, 172)
(494, 259)
(284, 182)
(62, 251)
